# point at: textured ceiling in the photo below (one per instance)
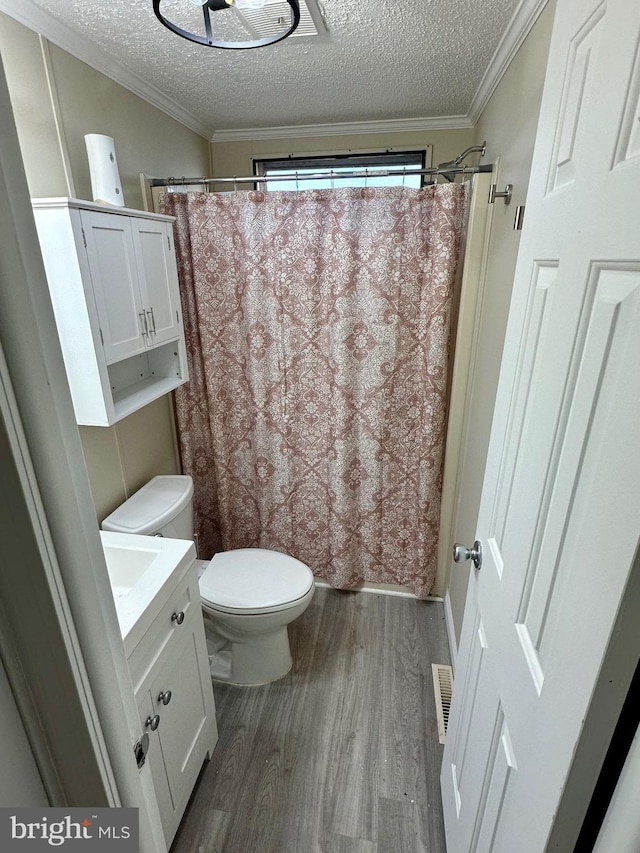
(379, 60)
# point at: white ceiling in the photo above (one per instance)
(380, 60)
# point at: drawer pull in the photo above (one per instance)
(178, 617)
(153, 722)
(164, 697)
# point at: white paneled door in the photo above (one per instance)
(560, 514)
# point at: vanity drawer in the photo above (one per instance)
(166, 629)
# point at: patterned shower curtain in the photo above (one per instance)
(317, 327)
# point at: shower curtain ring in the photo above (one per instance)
(332, 181)
(366, 178)
(235, 185)
(297, 185)
(404, 175)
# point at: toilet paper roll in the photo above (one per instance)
(103, 167)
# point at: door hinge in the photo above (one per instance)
(101, 336)
(84, 238)
(169, 242)
(177, 317)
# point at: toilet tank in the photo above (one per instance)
(162, 507)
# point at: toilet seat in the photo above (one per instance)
(254, 581)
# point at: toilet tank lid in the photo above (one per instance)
(151, 507)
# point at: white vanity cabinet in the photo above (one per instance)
(169, 668)
(114, 288)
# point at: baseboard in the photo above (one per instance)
(381, 589)
(451, 634)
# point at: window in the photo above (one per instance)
(398, 162)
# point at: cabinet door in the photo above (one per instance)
(156, 764)
(158, 279)
(186, 721)
(114, 276)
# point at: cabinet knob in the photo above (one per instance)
(164, 696)
(153, 722)
(178, 617)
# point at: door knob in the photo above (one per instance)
(462, 553)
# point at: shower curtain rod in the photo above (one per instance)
(357, 173)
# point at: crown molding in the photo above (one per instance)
(40, 21)
(35, 18)
(518, 29)
(403, 125)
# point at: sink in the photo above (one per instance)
(142, 570)
(126, 566)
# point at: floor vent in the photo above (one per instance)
(442, 687)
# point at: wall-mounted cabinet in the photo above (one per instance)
(114, 289)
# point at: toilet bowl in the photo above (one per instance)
(248, 595)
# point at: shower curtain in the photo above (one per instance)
(317, 327)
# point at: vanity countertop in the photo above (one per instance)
(143, 570)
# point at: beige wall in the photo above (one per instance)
(236, 158)
(30, 99)
(56, 100)
(85, 101)
(508, 123)
(122, 458)
(146, 139)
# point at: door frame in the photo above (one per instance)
(609, 694)
(51, 508)
(463, 368)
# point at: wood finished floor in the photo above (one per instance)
(342, 755)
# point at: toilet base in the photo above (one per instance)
(251, 648)
(253, 661)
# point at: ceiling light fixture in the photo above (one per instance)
(241, 7)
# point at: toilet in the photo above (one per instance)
(248, 595)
